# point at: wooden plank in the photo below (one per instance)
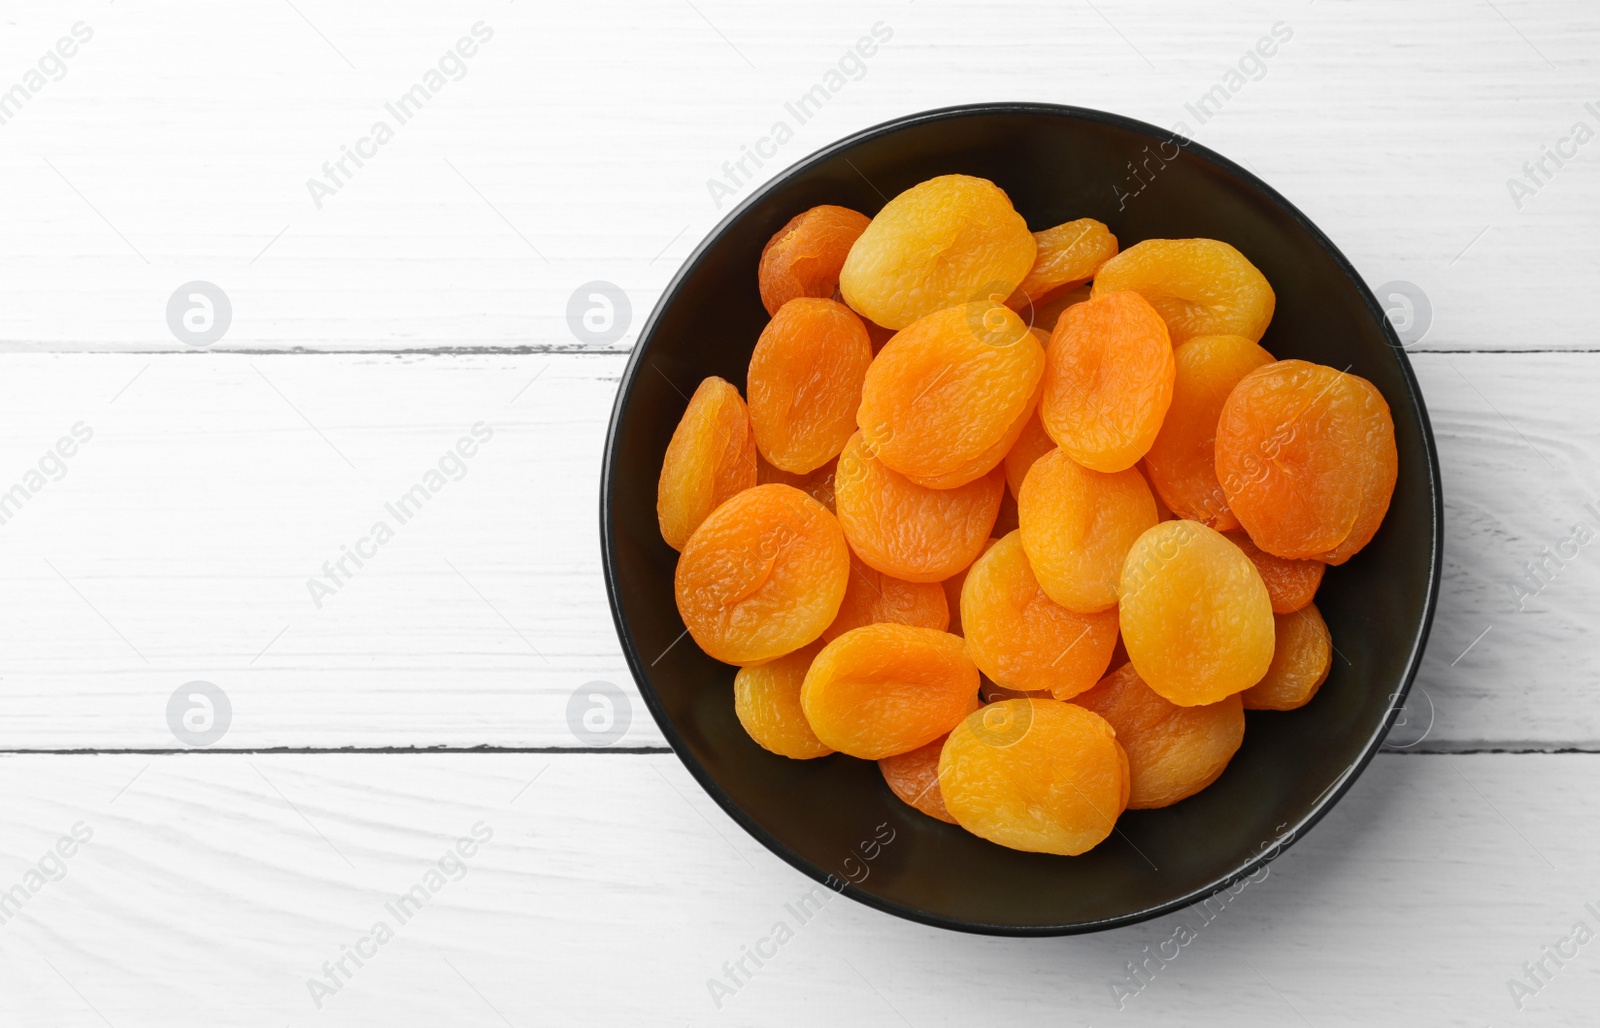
(178, 145)
(217, 884)
(178, 545)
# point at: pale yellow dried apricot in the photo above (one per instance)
(805, 383)
(1195, 615)
(942, 242)
(762, 576)
(1201, 287)
(885, 689)
(1037, 775)
(767, 701)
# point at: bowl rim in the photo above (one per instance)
(640, 670)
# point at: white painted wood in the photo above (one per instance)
(578, 146)
(214, 886)
(179, 543)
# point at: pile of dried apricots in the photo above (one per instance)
(975, 469)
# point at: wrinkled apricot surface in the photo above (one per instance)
(1306, 458)
(1182, 463)
(805, 256)
(1300, 662)
(1201, 287)
(907, 530)
(885, 689)
(1077, 527)
(1020, 637)
(948, 395)
(1173, 751)
(1032, 443)
(805, 383)
(712, 456)
(1108, 380)
(767, 701)
(762, 576)
(1291, 584)
(943, 242)
(914, 777)
(873, 597)
(1195, 614)
(1037, 775)
(1068, 256)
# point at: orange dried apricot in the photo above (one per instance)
(1195, 614)
(1077, 528)
(805, 383)
(1202, 287)
(711, 457)
(873, 597)
(1182, 463)
(942, 242)
(1068, 256)
(1291, 584)
(1300, 663)
(1306, 456)
(885, 689)
(952, 591)
(914, 777)
(762, 576)
(1020, 637)
(805, 256)
(1036, 775)
(1107, 381)
(816, 484)
(767, 701)
(1173, 752)
(1032, 443)
(948, 395)
(907, 530)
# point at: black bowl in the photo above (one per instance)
(834, 818)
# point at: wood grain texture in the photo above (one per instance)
(179, 542)
(214, 886)
(579, 142)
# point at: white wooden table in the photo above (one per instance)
(426, 698)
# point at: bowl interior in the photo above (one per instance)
(829, 816)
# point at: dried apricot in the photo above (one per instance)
(1202, 287)
(762, 576)
(948, 395)
(1107, 381)
(1182, 462)
(1020, 637)
(1195, 614)
(805, 256)
(711, 457)
(1300, 663)
(816, 484)
(1032, 443)
(1068, 256)
(942, 242)
(1173, 751)
(1077, 528)
(1291, 584)
(1306, 457)
(873, 597)
(1036, 775)
(885, 689)
(767, 701)
(952, 591)
(907, 530)
(914, 777)
(805, 383)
